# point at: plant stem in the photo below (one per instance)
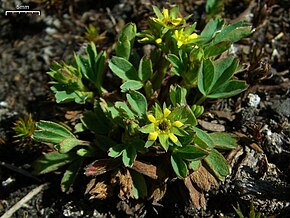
(201, 100)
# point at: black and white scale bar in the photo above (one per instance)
(19, 12)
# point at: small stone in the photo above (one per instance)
(254, 100)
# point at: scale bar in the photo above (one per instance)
(16, 11)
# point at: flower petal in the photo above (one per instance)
(152, 136)
(158, 41)
(177, 124)
(151, 118)
(172, 137)
(166, 112)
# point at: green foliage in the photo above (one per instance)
(252, 213)
(92, 34)
(149, 115)
(24, 128)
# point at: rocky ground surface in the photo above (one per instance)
(260, 165)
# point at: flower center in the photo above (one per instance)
(163, 125)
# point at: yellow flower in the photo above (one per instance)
(183, 38)
(158, 41)
(162, 127)
(168, 21)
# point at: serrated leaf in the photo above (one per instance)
(179, 166)
(52, 161)
(139, 188)
(218, 164)
(131, 85)
(123, 69)
(191, 153)
(224, 141)
(137, 102)
(70, 175)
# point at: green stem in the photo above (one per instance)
(160, 74)
(201, 100)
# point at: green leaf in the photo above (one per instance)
(137, 102)
(79, 97)
(206, 77)
(164, 141)
(122, 106)
(116, 151)
(191, 153)
(177, 64)
(131, 85)
(128, 32)
(129, 155)
(224, 141)
(157, 12)
(52, 161)
(148, 128)
(51, 132)
(179, 166)
(70, 175)
(233, 32)
(123, 69)
(216, 49)
(224, 70)
(177, 95)
(194, 165)
(210, 30)
(178, 131)
(204, 137)
(218, 164)
(96, 121)
(139, 188)
(123, 49)
(67, 144)
(188, 115)
(228, 89)
(145, 70)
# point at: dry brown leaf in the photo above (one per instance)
(203, 179)
(145, 169)
(100, 191)
(212, 126)
(90, 185)
(73, 115)
(197, 198)
(126, 185)
(102, 166)
(159, 190)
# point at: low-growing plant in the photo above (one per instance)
(147, 131)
